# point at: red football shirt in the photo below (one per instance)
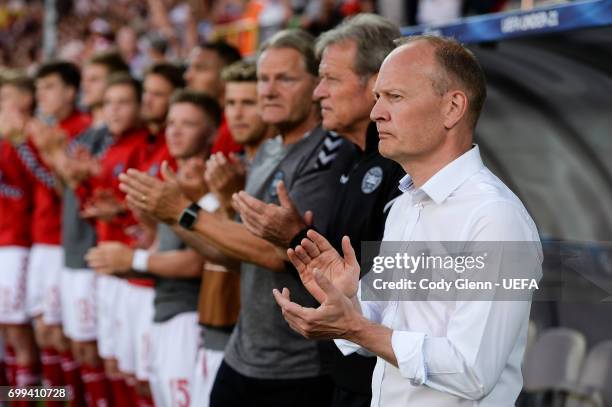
(46, 218)
(224, 141)
(155, 153)
(15, 199)
(75, 124)
(125, 153)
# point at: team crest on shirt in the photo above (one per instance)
(371, 180)
(119, 168)
(278, 177)
(9, 191)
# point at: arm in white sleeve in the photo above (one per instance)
(371, 310)
(481, 337)
(469, 360)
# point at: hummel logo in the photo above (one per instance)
(326, 159)
(328, 153)
(344, 179)
(331, 144)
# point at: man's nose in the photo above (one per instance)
(379, 112)
(321, 91)
(268, 89)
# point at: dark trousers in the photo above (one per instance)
(345, 398)
(232, 389)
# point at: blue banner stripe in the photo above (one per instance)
(499, 26)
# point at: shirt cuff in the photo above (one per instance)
(140, 260)
(209, 202)
(408, 348)
(346, 347)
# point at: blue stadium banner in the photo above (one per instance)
(543, 20)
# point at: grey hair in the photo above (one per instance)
(296, 39)
(372, 34)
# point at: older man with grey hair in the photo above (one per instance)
(351, 55)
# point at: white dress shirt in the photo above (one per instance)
(454, 353)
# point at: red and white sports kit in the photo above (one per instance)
(15, 235)
(136, 294)
(124, 153)
(46, 255)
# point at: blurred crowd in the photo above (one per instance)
(151, 30)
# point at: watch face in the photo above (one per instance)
(188, 218)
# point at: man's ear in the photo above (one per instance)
(72, 93)
(455, 108)
(372, 81)
(370, 85)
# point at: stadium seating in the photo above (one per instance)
(594, 386)
(552, 366)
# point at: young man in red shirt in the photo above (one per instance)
(16, 201)
(203, 74)
(58, 122)
(73, 163)
(15, 209)
(104, 205)
(57, 87)
(161, 81)
(192, 120)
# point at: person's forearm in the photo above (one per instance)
(356, 304)
(56, 158)
(58, 162)
(176, 264)
(468, 368)
(234, 240)
(374, 337)
(159, 14)
(226, 211)
(198, 243)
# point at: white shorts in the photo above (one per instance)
(13, 276)
(78, 301)
(45, 265)
(207, 365)
(107, 294)
(134, 338)
(175, 347)
(122, 346)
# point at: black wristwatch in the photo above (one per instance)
(189, 216)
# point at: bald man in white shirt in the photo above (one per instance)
(429, 92)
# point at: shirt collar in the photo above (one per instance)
(406, 185)
(448, 179)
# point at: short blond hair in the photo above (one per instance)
(241, 71)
